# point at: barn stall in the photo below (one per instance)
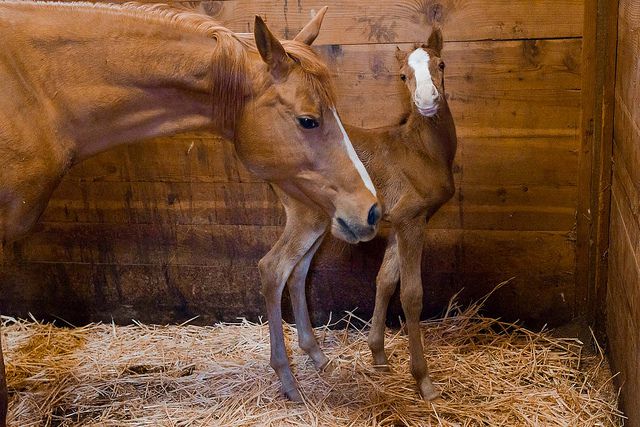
(172, 229)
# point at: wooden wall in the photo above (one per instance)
(171, 229)
(623, 296)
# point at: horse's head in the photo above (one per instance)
(290, 134)
(422, 70)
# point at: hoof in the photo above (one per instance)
(293, 395)
(328, 368)
(323, 364)
(382, 368)
(380, 360)
(428, 391)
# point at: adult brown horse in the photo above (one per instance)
(78, 79)
(411, 166)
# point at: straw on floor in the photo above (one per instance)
(491, 373)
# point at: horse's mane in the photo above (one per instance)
(230, 79)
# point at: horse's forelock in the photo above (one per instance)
(313, 69)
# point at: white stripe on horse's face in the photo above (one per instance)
(426, 94)
(354, 157)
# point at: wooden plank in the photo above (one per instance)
(173, 294)
(148, 202)
(544, 160)
(623, 294)
(626, 186)
(82, 293)
(625, 258)
(532, 84)
(623, 319)
(625, 348)
(515, 207)
(550, 161)
(629, 229)
(184, 158)
(355, 21)
(627, 144)
(594, 176)
(211, 245)
(627, 67)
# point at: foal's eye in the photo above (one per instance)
(441, 66)
(308, 122)
(403, 77)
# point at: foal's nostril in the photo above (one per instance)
(374, 215)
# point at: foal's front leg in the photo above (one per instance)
(386, 282)
(300, 235)
(410, 244)
(296, 285)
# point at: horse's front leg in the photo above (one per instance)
(297, 285)
(301, 233)
(410, 244)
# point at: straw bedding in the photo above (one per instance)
(490, 373)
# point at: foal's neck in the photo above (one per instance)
(436, 135)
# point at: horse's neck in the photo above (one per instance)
(109, 79)
(435, 136)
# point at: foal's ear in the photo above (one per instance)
(270, 49)
(435, 41)
(401, 55)
(310, 31)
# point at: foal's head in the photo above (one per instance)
(290, 134)
(422, 70)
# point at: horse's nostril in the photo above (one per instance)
(374, 215)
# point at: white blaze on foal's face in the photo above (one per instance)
(426, 94)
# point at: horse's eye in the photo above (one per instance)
(308, 122)
(442, 66)
(403, 77)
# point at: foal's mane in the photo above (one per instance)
(230, 78)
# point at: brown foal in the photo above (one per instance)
(411, 166)
(80, 78)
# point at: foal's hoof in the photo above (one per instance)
(293, 395)
(382, 368)
(327, 368)
(428, 391)
(323, 364)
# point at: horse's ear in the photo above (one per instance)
(271, 50)
(401, 55)
(435, 41)
(310, 31)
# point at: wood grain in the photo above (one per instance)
(516, 86)
(544, 160)
(358, 22)
(342, 278)
(623, 293)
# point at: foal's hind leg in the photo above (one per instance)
(410, 244)
(296, 285)
(386, 283)
(300, 235)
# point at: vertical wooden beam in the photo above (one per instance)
(595, 173)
